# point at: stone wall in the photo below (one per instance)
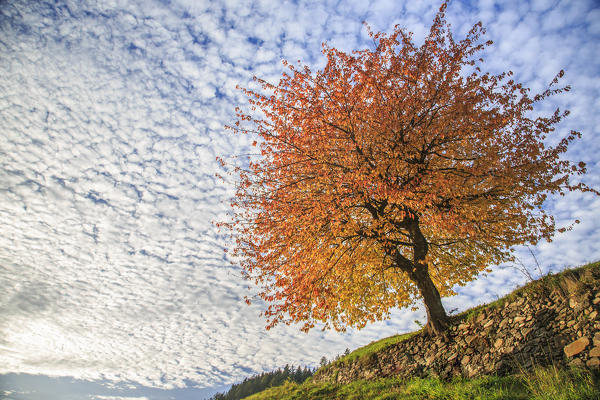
(552, 321)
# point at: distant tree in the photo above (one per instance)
(262, 381)
(323, 361)
(390, 175)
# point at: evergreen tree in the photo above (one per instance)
(262, 381)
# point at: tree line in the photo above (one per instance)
(265, 380)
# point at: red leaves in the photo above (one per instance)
(357, 155)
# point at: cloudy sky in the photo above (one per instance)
(114, 281)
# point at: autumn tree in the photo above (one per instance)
(391, 175)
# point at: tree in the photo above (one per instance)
(323, 361)
(392, 174)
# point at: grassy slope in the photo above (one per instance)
(543, 384)
(549, 383)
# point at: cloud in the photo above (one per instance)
(112, 117)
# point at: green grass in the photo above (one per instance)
(543, 383)
(374, 347)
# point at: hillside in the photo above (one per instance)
(543, 337)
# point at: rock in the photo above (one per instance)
(593, 314)
(595, 352)
(488, 324)
(576, 347)
(573, 302)
(471, 371)
(597, 339)
(470, 338)
(576, 363)
(498, 343)
(429, 360)
(593, 362)
(465, 360)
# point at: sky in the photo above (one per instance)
(115, 284)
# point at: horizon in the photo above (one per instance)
(116, 281)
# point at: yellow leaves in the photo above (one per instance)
(383, 142)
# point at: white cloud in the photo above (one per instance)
(112, 116)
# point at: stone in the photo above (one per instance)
(596, 300)
(470, 338)
(597, 339)
(465, 360)
(593, 314)
(471, 371)
(576, 362)
(576, 347)
(593, 362)
(498, 343)
(488, 324)
(595, 352)
(518, 319)
(573, 303)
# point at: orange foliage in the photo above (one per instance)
(379, 143)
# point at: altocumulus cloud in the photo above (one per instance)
(112, 114)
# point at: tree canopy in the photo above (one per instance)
(392, 174)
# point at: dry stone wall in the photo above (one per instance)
(551, 322)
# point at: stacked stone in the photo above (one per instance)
(546, 326)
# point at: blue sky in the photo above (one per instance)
(115, 284)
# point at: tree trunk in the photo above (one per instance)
(437, 319)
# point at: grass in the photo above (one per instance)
(541, 384)
(374, 347)
(571, 384)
